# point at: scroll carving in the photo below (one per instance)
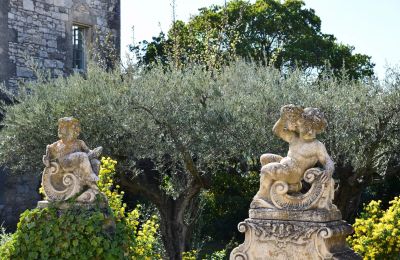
(71, 167)
(289, 221)
(281, 177)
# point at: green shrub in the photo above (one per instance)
(193, 255)
(173, 130)
(74, 234)
(78, 233)
(4, 236)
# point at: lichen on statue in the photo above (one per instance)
(70, 165)
(281, 177)
(285, 220)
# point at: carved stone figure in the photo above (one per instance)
(71, 167)
(287, 220)
(281, 177)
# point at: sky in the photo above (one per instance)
(372, 27)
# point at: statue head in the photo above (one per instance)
(311, 123)
(68, 128)
(292, 114)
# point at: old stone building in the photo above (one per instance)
(54, 35)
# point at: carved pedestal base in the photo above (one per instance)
(61, 205)
(289, 239)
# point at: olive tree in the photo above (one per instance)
(171, 130)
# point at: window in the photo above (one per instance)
(78, 43)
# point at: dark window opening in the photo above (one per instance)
(78, 43)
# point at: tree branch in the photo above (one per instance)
(187, 158)
(141, 188)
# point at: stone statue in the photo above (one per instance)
(71, 167)
(287, 220)
(281, 177)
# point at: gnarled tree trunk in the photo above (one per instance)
(348, 196)
(177, 215)
(176, 232)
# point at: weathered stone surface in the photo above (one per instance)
(281, 177)
(71, 167)
(28, 5)
(316, 215)
(40, 24)
(284, 240)
(287, 221)
(67, 205)
(5, 64)
(41, 30)
(17, 193)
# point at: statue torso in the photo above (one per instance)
(305, 153)
(60, 149)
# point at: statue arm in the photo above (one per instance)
(327, 162)
(84, 147)
(95, 153)
(46, 157)
(280, 130)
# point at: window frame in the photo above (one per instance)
(79, 39)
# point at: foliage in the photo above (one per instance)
(193, 255)
(42, 233)
(218, 255)
(145, 233)
(78, 233)
(173, 130)
(190, 255)
(104, 50)
(226, 204)
(106, 185)
(4, 236)
(377, 231)
(279, 33)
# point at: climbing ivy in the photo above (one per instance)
(79, 233)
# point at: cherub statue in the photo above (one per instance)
(72, 155)
(299, 128)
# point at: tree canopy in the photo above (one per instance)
(173, 130)
(283, 34)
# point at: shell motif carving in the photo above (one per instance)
(59, 185)
(282, 200)
(281, 177)
(71, 167)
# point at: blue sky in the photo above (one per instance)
(373, 27)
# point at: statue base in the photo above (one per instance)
(294, 237)
(61, 205)
(315, 215)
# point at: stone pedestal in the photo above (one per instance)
(63, 205)
(292, 216)
(282, 234)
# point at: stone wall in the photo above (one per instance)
(6, 68)
(17, 193)
(39, 32)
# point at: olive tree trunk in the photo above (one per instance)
(175, 229)
(177, 216)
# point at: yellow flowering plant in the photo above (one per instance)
(84, 234)
(377, 232)
(145, 233)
